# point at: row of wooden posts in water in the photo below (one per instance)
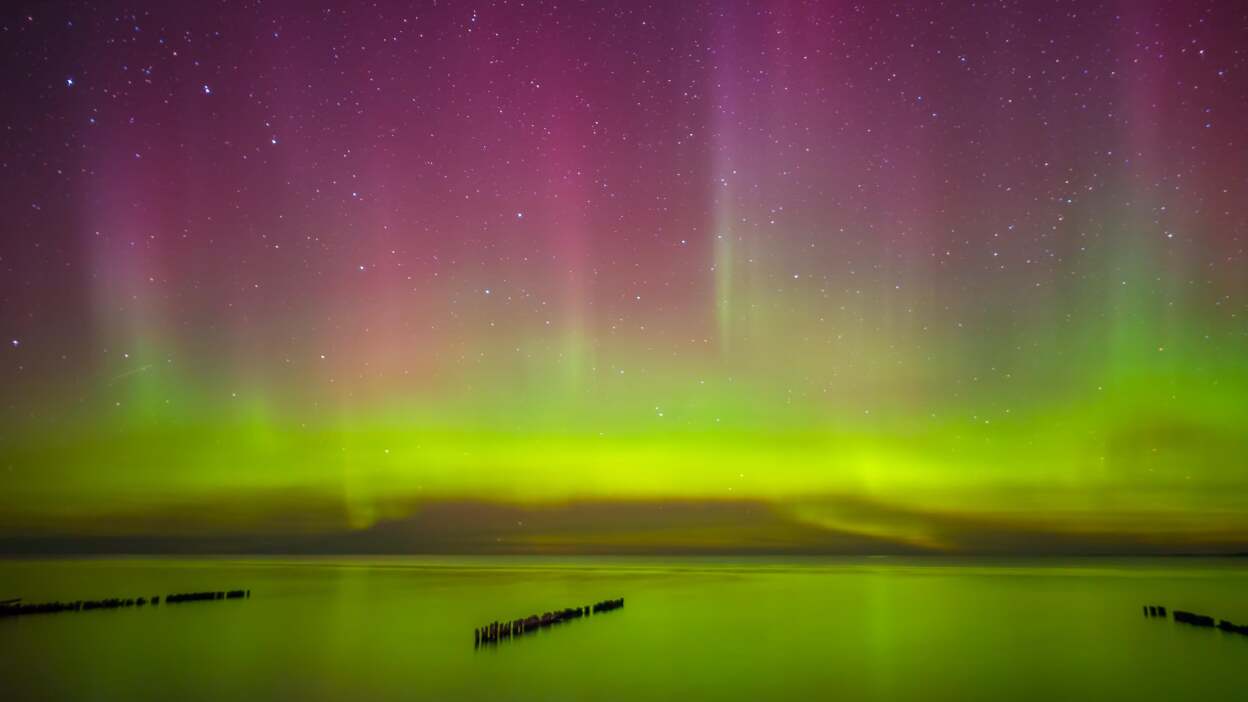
(13, 608)
(1200, 620)
(497, 631)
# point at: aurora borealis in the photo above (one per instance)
(763, 275)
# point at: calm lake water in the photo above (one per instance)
(692, 628)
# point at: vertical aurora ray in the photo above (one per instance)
(720, 86)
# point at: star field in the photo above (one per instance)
(983, 259)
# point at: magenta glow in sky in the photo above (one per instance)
(982, 261)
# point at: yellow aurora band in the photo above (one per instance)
(1126, 433)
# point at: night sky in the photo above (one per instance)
(575, 276)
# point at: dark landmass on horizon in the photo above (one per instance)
(598, 527)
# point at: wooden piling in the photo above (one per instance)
(496, 631)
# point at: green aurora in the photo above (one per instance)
(1127, 432)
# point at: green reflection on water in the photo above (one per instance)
(401, 628)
